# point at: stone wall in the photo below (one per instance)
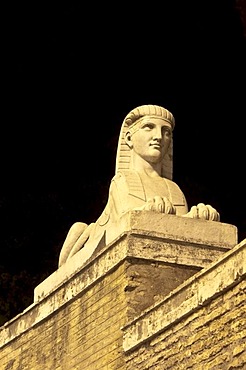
(83, 334)
(154, 298)
(200, 325)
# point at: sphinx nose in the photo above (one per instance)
(157, 134)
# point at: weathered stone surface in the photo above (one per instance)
(154, 236)
(135, 289)
(205, 317)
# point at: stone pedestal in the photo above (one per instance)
(79, 311)
(180, 247)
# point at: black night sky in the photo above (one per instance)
(72, 74)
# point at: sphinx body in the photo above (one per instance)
(143, 181)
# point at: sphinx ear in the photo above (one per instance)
(128, 139)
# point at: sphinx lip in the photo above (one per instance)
(156, 145)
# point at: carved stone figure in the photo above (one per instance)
(142, 181)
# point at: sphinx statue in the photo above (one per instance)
(142, 181)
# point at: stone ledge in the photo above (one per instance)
(165, 238)
(66, 292)
(171, 227)
(174, 239)
(189, 296)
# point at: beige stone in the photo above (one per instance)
(142, 181)
(150, 235)
(192, 294)
(148, 286)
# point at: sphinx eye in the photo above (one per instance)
(166, 131)
(148, 126)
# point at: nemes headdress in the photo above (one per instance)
(123, 151)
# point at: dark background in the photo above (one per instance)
(72, 73)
